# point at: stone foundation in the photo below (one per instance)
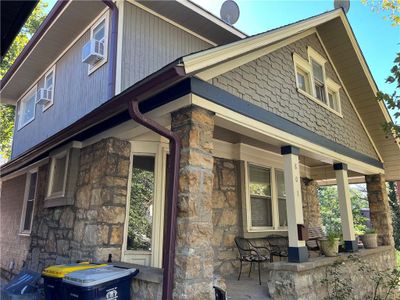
(92, 227)
(290, 281)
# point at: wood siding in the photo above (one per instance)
(151, 43)
(270, 82)
(76, 93)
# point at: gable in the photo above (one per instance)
(269, 82)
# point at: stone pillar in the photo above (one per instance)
(194, 253)
(346, 213)
(380, 214)
(297, 251)
(311, 205)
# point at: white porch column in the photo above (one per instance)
(346, 213)
(297, 251)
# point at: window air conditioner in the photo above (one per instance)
(44, 96)
(92, 52)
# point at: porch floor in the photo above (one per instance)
(247, 287)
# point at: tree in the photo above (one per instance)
(395, 206)
(330, 212)
(391, 11)
(7, 112)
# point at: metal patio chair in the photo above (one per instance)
(250, 253)
(278, 244)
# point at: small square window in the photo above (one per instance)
(26, 108)
(49, 81)
(303, 80)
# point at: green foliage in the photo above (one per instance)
(140, 220)
(380, 284)
(395, 206)
(370, 231)
(7, 112)
(390, 9)
(330, 212)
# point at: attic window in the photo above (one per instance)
(312, 82)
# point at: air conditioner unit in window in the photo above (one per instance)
(44, 96)
(92, 52)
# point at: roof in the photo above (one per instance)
(341, 45)
(13, 17)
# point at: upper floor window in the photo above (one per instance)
(46, 97)
(26, 108)
(95, 51)
(29, 202)
(311, 81)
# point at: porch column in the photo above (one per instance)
(297, 251)
(346, 213)
(380, 214)
(194, 260)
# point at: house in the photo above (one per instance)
(155, 132)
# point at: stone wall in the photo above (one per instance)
(13, 247)
(226, 209)
(288, 281)
(311, 205)
(93, 226)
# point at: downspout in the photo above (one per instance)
(170, 218)
(112, 54)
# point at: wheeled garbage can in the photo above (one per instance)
(109, 283)
(54, 275)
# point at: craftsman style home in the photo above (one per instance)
(157, 133)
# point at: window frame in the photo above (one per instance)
(31, 92)
(306, 67)
(274, 199)
(49, 194)
(105, 18)
(52, 70)
(28, 179)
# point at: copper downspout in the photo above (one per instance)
(173, 76)
(112, 54)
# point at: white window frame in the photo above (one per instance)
(53, 158)
(104, 18)
(274, 199)
(151, 258)
(21, 101)
(329, 84)
(52, 70)
(24, 207)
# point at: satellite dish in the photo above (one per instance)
(344, 4)
(230, 12)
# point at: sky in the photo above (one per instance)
(378, 40)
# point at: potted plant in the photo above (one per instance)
(370, 238)
(330, 244)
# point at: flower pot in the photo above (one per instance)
(370, 240)
(329, 248)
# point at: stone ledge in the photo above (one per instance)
(322, 261)
(146, 273)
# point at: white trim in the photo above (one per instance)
(141, 6)
(21, 100)
(51, 195)
(121, 19)
(22, 171)
(106, 19)
(52, 70)
(304, 66)
(348, 96)
(24, 206)
(79, 36)
(260, 129)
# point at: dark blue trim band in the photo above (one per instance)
(340, 166)
(297, 254)
(350, 246)
(290, 150)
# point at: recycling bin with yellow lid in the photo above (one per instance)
(53, 276)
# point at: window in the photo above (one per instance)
(312, 82)
(49, 81)
(145, 206)
(266, 199)
(26, 108)
(58, 172)
(99, 33)
(29, 202)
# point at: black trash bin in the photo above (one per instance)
(109, 283)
